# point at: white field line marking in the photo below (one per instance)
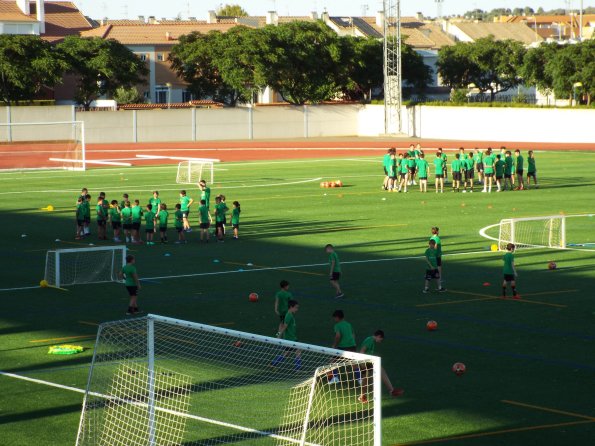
(157, 408)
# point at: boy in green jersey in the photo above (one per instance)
(520, 164)
(116, 220)
(101, 220)
(422, 171)
(532, 170)
(185, 203)
(488, 167)
(137, 214)
(282, 298)
(509, 271)
(150, 224)
(288, 331)
(162, 217)
(387, 162)
(80, 218)
(205, 220)
(179, 224)
(469, 171)
(404, 173)
(155, 202)
(87, 206)
(344, 340)
(392, 171)
(368, 347)
(432, 271)
(205, 192)
(335, 270)
(235, 219)
(411, 166)
(508, 170)
(455, 168)
(123, 201)
(439, 171)
(127, 221)
(499, 168)
(445, 165)
(478, 158)
(220, 210)
(132, 283)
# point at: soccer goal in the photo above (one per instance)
(193, 170)
(530, 232)
(162, 381)
(75, 266)
(42, 145)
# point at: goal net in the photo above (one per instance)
(42, 145)
(192, 171)
(162, 381)
(533, 232)
(75, 266)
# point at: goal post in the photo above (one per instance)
(43, 145)
(533, 232)
(191, 171)
(76, 266)
(156, 380)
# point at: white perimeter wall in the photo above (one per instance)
(466, 123)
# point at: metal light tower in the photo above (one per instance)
(392, 67)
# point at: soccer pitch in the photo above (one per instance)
(530, 362)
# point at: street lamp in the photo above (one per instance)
(168, 85)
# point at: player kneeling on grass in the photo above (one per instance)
(132, 283)
(509, 271)
(368, 347)
(432, 272)
(288, 332)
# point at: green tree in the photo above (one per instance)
(27, 63)
(101, 66)
(361, 60)
(232, 11)
(573, 67)
(131, 95)
(415, 72)
(533, 69)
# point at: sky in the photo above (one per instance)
(131, 9)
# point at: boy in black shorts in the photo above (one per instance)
(132, 283)
(335, 270)
(509, 271)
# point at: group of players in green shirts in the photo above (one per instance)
(502, 170)
(126, 216)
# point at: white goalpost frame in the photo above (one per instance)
(83, 161)
(509, 232)
(83, 435)
(54, 257)
(190, 177)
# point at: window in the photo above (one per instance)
(160, 57)
(186, 96)
(161, 96)
(143, 57)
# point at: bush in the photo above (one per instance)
(128, 96)
(459, 96)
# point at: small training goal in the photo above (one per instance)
(75, 266)
(161, 381)
(529, 232)
(191, 171)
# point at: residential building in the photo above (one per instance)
(557, 27)
(472, 31)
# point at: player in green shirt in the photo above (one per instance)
(235, 219)
(531, 170)
(205, 192)
(488, 168)
(499, 168)
(456, 167)
(411, 166)
(520, 164)
(508, 170)
(432, 271)
(123, 201)
(368, 347)
(344, 340)
(469, 171)
(80, 218)
(335, 270)
(220, 211)
(185, 203)
(392, 171)
(87, 207)
(205, 220)
(137, 214)
(387, 162)
(150, 224)
(282, 298)
(162, 217)
(101, 220)
(179, 224)
(478, 158)
(132, 283)
(422, 172)
(116, 220)
(439, 171)
(288, 331)
(127, 221)
(155, 201)
(509, 271)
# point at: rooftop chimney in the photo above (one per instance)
(314, 15)
(380, 19)
(212, 17)
(40, 8)
(272, 18)
(141, 18)
(325, 16)
(152, 20)
(24, 6)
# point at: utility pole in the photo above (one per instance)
(393, 95)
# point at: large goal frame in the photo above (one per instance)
(191, 171)
(552, 232)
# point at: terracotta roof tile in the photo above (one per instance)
(63, 19)
(501, 31)
(10, 12)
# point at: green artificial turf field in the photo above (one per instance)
(530, 363)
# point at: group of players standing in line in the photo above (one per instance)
(127, 216)
(502, 170)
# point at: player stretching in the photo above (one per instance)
(288, 332)
(509, 271)
(368, 347)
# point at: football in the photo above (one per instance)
(458, 368)
(253, 297)
(432, 325)
(43, 283)
(552, 266)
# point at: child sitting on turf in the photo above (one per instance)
(509, 271)
(179, 224)
(163, 216)
(116, 220)
(205, 220)
(150, 224)
(80, 218)
(235, 219)
(127, 221)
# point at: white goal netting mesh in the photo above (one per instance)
(538, 232)
(65, 267)
(191, 172)
(159, 381)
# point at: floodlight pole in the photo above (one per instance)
(393, 98)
